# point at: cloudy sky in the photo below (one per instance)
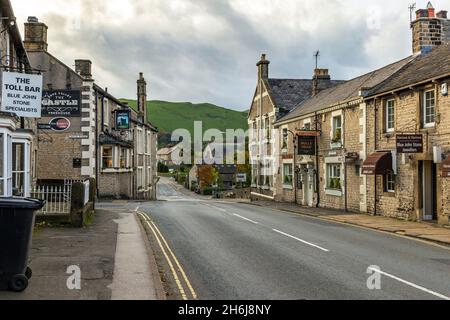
(206, 50)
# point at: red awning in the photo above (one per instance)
(378, 163)
(308, 133)
(446, 168)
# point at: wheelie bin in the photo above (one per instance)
(17, 216)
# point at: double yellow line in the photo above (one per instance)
(168, 254)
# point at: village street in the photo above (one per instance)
(238, 251)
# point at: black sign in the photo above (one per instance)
(61, 103)
(77, 162)
(123, 120)
(44, 126)
(306, 146)
(409, 143)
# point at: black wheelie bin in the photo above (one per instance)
(16, 228)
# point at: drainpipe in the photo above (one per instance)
(375, 144)
(345, 165)
(295, 170)
(317, 162)
(97, 169)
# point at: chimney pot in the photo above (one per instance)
(33, 19)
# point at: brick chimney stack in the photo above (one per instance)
(263, 67)
(35, 35)
(84, 68)
(429, 29)
(320, 76)
(142, 96)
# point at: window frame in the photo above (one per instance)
(390, 182)
(331, 174)
(291, 175)
(387, 123)
(111, 158)
(335, 128)
(425, 108)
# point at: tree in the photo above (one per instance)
(207, 175)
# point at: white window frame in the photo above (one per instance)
(390, 182)
(6, 179)
(26, 163)
(334, 127)
(112, 157)
(331, 174)
(390, 105)
(106, 113)
(287, 185)
(424, 109)
(139, 140)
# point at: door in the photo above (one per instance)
(308, 185)
(428, 187)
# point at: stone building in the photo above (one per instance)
(18, 143)
(409, 149)
(273, 99)
(79, 137)
(321, 168)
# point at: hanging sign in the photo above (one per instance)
(306, 145)
(123, 120)
(61, 103)
(22, 94)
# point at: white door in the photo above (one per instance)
(310, 187)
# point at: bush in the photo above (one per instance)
(208, 191)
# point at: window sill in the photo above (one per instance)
(389, 194)
(336, 145)
(334, 192)
(288, 187)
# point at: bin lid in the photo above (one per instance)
(21, 203)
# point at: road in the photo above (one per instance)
(239, 251)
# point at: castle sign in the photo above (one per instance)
(61, 103)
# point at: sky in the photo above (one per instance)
(206, 50)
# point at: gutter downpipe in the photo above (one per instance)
(345, 165)
(97, 169)
(317, 162)
(376, 142)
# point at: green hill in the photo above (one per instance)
(169, 116)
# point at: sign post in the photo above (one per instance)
(22, 94)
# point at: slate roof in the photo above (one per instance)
(346, 91)
(425, 67)
(290, 93)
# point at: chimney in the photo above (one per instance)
(429, 29)
(35, 35)
(142, 96)
(84, 68)
(320, 79)
(263, 67)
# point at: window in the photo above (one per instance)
(267, 127)
(285, 139)
(106, 113)
(140, 178)
(307, 126)
(429, 109)
(389, 182)
(123, 158)
(287, 174)
(18, 169)
(107, 158)
(337, 129)
(390, 115)
(334, 176)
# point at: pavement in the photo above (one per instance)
(111, 254)
(420, 230)
(230, 250)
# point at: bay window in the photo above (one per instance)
(123, 158)
(108, 158)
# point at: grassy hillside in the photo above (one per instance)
(168, 116)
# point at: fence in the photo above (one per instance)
(57, 199)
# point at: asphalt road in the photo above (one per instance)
(238, 251)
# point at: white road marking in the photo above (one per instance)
(302, 241)
(441, 296)
(246, 219)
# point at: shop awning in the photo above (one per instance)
(446, 168)
(378, 163)
(308, 133)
